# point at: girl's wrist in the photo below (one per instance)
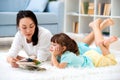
(54, 54)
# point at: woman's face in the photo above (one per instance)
(56, 48)
(27, 27)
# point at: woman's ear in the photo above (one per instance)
(18, 28)
(64, 48)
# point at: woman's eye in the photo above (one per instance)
(31, 26)
(23, 27)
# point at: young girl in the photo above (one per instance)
(32, 39)
(66, 53)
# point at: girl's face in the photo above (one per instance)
(27, 28)
(56, 48)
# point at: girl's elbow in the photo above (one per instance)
(61, 66)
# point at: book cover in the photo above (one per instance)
(75, 27)
(99, 8)
(86, 5)
(102, 8)
(91, 8)
(108, 10)
(82, 7)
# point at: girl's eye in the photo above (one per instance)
(54, 44)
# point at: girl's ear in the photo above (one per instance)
(64, 48)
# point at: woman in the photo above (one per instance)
(32, 39)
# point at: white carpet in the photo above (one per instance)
(53, 73)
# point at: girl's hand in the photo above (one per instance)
(56, 51)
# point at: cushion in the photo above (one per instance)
(37, 5)
(13, 6)
(9, 18)
(52, 0)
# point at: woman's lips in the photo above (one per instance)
(28, 34)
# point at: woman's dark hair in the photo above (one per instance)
(64, 40)
(27, 13)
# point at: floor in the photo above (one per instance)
(5, 43)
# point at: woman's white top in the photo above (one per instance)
(41, 50)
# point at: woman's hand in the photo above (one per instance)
(13, 61)
(33, 57)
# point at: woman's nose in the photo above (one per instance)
(28, 30)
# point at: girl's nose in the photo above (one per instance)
(50, 47)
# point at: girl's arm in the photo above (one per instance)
(56, 63)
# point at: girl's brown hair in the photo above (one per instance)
(64, 40)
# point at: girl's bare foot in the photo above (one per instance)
(99, 21)
(110, 40)
(104, 48)
(106, 23)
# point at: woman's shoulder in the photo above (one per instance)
(18, 36)
(44, 31)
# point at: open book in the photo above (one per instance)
(30, 64)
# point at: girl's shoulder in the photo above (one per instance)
(68, 53)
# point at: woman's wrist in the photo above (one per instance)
(9, 59)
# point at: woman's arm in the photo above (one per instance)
(43, 45)
(16, 45)
(14, 50)
(12, 61)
